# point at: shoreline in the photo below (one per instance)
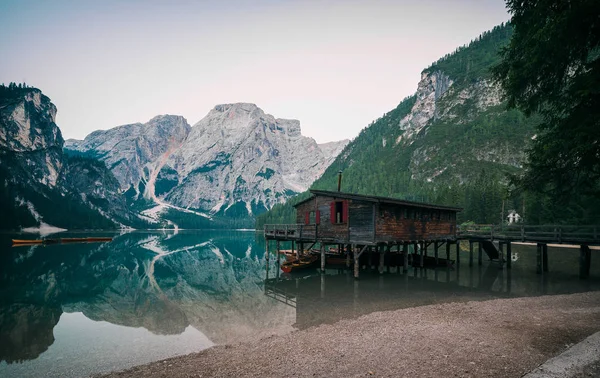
(495, 338)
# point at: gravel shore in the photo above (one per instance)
(496, 338)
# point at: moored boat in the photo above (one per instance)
(73, 240)
(22, 241)
(298, 264)
(26, 242)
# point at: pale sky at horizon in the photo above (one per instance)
(334, 65)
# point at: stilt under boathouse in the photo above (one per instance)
(361, 229)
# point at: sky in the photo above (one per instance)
(334, 65)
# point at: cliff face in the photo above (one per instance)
(40, 184)
(430, 90)
(28, 133)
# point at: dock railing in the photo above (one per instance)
(291, 231)
(533, 233)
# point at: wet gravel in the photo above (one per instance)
(496, 338)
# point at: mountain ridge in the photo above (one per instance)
(237, 161)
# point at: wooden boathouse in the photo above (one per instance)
(353, 224)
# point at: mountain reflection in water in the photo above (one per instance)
(80, 309)
(211, 283)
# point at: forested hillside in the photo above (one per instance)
(454, 143)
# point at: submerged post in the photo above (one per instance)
(457, 253)
(348, 252)
(278, 255)
(381, 259)
(405, 256)
(508, 256)
(436, 248)
(585, 257)
(267, 250)
(470, 252)
(538, 269)
(545, 257)
(356, 261)
(322, 258)
(278, 246)
(421, 261)
(480, 254)
(447, 252)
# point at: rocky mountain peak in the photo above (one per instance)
(231, 116)
(432, 86)
(128, 149)
(168, 121)
(332, 149)
(28, 122)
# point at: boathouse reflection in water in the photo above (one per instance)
(334, 295)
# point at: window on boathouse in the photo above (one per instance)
(312, 217)
(338, 212)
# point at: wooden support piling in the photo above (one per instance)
(585, 257)
(448, 251)
(267, 253)
(508, 255)
(436, 248)
(480, 254)
(356, 261)
(322, 258)
(470, 253)
(405, 252)
(381, 259)
(421, 258)
(357, 255)
(457, 253)
(545, 257)
(348, 252)
(538, 269)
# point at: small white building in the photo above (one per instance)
(513, 217)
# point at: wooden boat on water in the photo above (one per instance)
(299, 264)
(30, 242)
(27, 242)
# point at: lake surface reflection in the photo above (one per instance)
(80, 309)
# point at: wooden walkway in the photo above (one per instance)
(485, 236)
(555, 234)
(305, 238)
(496, 241)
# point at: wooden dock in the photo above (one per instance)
(486, 236)
(368, 229)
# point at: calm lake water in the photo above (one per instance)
(80, 309)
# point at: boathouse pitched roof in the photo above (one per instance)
(376, 199)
